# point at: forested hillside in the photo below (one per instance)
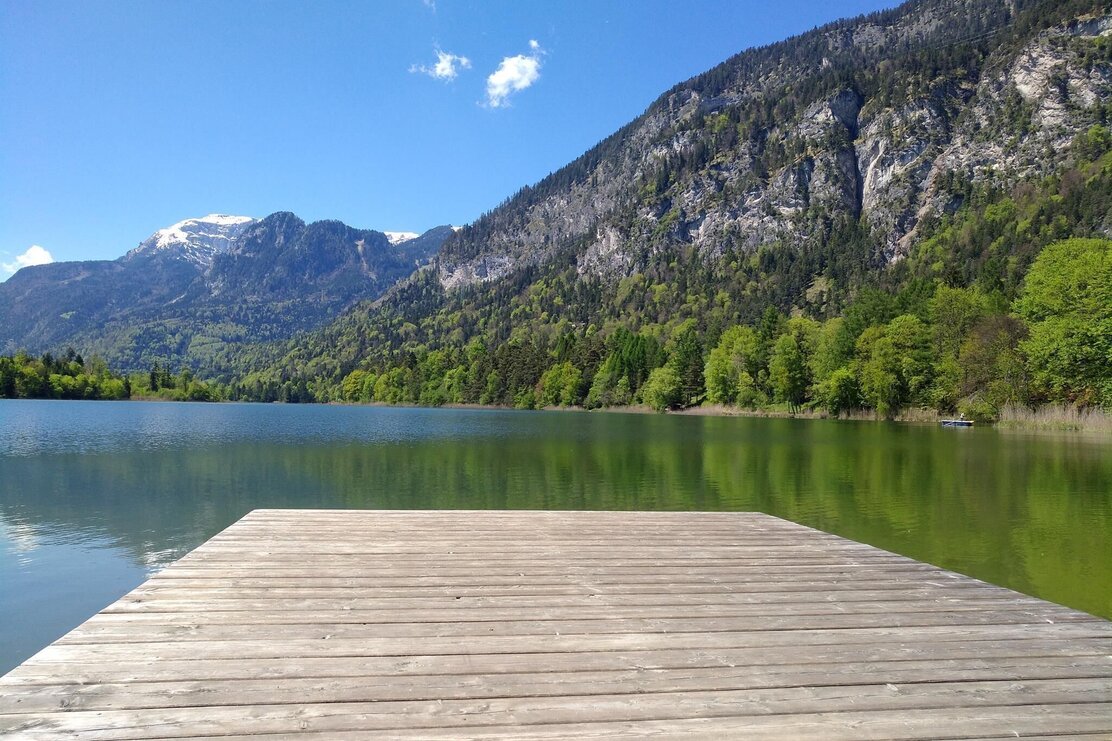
(846, 218)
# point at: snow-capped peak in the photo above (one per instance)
(180, 232)
(457, 228)
(399, 237)
(195, 240)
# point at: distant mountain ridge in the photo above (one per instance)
(192, 292)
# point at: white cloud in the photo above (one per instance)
(447, 66)
(34, 255)
(513, 75)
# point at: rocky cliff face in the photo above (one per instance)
(871, 121)
(1029, 106)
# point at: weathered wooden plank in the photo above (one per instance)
(264, 648)
(541, 552)
(390, 715)
(919, 599)
(539, 624)
(387, 539)
(391, 540)
(210, 615)
(391, 596)
(463, 610)
(695, 581)
(186, 628)
(756, 519)
(370, 578)
(846, 594)
(909, 725)
(145, 669)
(35, 698)
(438, 570)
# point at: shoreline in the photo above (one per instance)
(1097, 422)
(1045, 419)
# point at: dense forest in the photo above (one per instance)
(928, 346)
(71, 376)
(995, 305)
(66, 377)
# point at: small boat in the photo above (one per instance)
(957, 423)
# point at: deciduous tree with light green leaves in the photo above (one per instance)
(731, 367)
(353, 385)
(559, 386)
(1067, 302)
(662, 390)
(839, 392)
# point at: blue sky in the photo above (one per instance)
(117, 119)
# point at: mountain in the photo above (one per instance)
(870, 122)
(192, 292)
(944, 142)
(194, 240)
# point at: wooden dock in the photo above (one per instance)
(375, 624)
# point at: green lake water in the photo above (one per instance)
(94, 496)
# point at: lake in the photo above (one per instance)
(94, 496)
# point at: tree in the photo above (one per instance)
(839, 391)
(872, 307)
(559, 385)
(454, 383)
(1067, 302)
(7, 378)
(430, 377)
(604, 384)
(731, 366)
(634, 355)
(833, 349)
(880, 381)
(1092, 143)
(352, 385)
(367, 392)
(953, 312)
(787, 371)
(391, 386)
(663, 389)
(493, 391)
(686, 360)
(911, 339)
(992, 367)
(479, 369)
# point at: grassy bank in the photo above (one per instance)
(1056, 417)
(782, 410)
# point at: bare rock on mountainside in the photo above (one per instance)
(872, 119)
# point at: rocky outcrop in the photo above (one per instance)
(997, 116)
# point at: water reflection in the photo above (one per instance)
(130, 487)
